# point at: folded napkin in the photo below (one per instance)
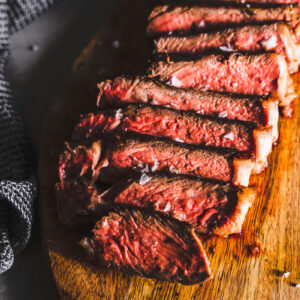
(17, 181)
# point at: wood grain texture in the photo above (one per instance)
(272, 222)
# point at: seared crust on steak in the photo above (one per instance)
(167, 19)
(148, 245)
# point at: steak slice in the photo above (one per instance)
(121, 157)
(178, 126)
(148, 245)
(168, 19)
(262, 74)
(276, 37)
(125, 90)
(208, 207)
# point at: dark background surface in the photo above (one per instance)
(41, 57)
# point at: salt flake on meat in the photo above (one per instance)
(144, 179)
(167, 208)
(223, 114)
(226, 48)
(229, 136)
(270, 43)
(201, 24)
(175, 82)
(201, 111)
(145, 169)
(155, 166)
(179, 140)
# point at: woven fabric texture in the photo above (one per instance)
(17, 181)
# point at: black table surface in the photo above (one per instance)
(41, 56)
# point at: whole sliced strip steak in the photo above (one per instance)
(148, 245)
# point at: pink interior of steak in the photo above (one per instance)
(188, 129)
(185, 18)
(255, 75)
(200, 204)
(162, 122)
(97, 124)
(147, 246)
(161, 156)
(248, 38)
(140, 90)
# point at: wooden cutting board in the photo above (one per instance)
(272, 223)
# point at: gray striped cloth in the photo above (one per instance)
(17, 181)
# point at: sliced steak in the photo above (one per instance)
(276, 37)
(208, 207)
(125, 90)
(262, 74)
(168, 19)
(148, 245)
(188, 128)
(121, 157)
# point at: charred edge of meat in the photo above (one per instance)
(178, 57)
(234, 223)
(189, 247)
